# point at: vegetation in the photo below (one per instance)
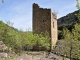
(2, 1)
(19, 40)
(69, 43)
(69, 39)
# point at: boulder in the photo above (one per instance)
(3, 55)
(3, 47)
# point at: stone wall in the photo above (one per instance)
(45, 20)
(68, 19)
(53, 29)
(41, 19)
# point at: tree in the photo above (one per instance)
(44, 40)
(69, 45)
(39, 40)
(78, 4)
(2, 1)
(78, 7)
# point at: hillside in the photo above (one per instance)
(68, 44)
(8, 35)
(68, 37)
(19, 40)
(69, 19)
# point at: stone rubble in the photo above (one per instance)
(51, 56)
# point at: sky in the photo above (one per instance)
(20, 11)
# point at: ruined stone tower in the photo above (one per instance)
(45, 20)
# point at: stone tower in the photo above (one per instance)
(45, 20)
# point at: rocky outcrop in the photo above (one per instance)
(3, 55)
(5, 51)
(3, 47)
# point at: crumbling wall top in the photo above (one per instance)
(35, 4)
(54, 15)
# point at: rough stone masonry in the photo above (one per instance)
(45, 20)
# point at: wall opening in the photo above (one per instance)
(43, 20)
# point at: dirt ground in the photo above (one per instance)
(50, 56)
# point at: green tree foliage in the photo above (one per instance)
(2, 28)
(76, 32)
(19, 40)
(78, 7)
(42, 40)
(78, 4)
(69, 44)
(70, 49)
(69, 39)
(2, 1)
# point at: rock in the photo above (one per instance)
(3, 55)
(21, 59)
(3, 47)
